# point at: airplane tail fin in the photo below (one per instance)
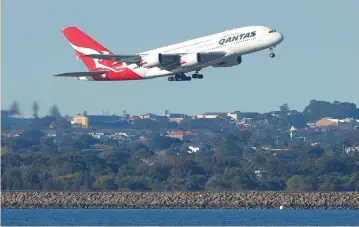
(83, 45)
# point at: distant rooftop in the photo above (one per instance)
(214, 113)
(178, 115)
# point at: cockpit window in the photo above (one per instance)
(272, 31)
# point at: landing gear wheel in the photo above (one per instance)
(188, 78)
(271, 50)
(197, 76)
(170, 78)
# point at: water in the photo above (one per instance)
(107, 217)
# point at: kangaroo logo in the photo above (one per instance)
(98, 62)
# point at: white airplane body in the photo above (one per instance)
(223, 49)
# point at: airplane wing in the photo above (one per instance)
(80, 74)
(118, 58)
(168, 57)
(131, 58)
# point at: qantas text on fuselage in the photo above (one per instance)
(224, 49)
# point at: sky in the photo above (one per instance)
(318, 58)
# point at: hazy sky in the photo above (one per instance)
(318, 58)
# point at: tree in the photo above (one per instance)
(35, 161)
(14, 109)
(284, 107)
(105, 182)
(319, 109)
(163, 142)
(35, 109)
(54, 112)
(300, 184)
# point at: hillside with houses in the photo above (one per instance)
(316, 149)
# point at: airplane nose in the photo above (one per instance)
(281, 37)
(278, 37)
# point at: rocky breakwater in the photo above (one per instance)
(186, 200)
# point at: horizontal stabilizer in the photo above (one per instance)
(80, 74)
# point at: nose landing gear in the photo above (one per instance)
(271, 50)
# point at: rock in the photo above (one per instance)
(155, 200)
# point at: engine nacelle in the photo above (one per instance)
(189, 60)
(151, 60)
(230, 61)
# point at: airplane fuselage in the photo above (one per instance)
(236, 42)
(224, 49)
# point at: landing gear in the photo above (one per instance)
(271, 50)
(179, 77)
(183, 77)
(196, 75)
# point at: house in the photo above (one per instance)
(348, 124)
(337, 123)
(193, 149)
(292, 130)
(279, 114)
(147, 116)
(211, 115)
(351, 149)
(80, 120)
(97, 135)
(233, 115)
(180, 134)
(132, 118)
(177, 117)
(327, 122)
(98, 120)
(176, 134)
(143, 140)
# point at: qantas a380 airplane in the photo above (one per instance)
(223, 49)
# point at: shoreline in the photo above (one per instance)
(180, 200)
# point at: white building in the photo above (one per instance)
(193, 149)
(212, 115)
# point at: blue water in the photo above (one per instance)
(91, 217)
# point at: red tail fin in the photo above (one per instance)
(83, 45)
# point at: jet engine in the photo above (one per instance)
(189, 60)
(230, 61)
(151, 60)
